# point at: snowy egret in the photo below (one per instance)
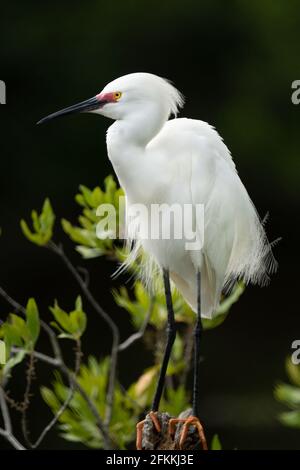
(181, 161)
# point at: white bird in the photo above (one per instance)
(181, 161)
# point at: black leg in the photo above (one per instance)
(171, 334)
(197, 339)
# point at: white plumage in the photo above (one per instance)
(185, 161)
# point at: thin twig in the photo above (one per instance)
(64, 406)
(5, 411)
(43, 357)
(7, 432)
(12, 302)
(139, 334)
(12, 439)
(30, 372)
(54, 420)
(78, 357)
(111, 324)
(85, 275)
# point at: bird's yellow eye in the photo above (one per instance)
(117, 95)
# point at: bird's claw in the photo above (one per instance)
(140, 427)
(186, 423)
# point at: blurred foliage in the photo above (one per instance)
(289, 395)
(70, 325)
(89, 243)
(77, 423)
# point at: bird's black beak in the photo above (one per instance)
(85, 106)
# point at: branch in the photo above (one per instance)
(12, 439)
(111, 324)
(7, 432)
(139, 334)
(5, 412)
(66, 403)
(70, 376)
(30, 374)
(54, 419)
(12, 302)
(55, 363)
(43, 357)
(58, 361)
(85, 275)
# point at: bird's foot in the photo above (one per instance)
(140, 428)
(185, 424)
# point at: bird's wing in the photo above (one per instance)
(235, 244)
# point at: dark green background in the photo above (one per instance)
(235, 62)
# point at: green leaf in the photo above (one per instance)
(33, 237)
(89, 244)
(78, 321)
(35, 220)
(215, 443)
(290, 418)
(70, 325)
(50, 398)
(288, 394)
(11, 336)
(79, 235)
(19, 328)
(96, 197)
(78, 303)
(90, 253)
(42, 225)
(61, 317)
(87, 194)
(293, 372)
(66, 336)
(32, 320)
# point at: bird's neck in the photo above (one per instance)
(127, 141)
